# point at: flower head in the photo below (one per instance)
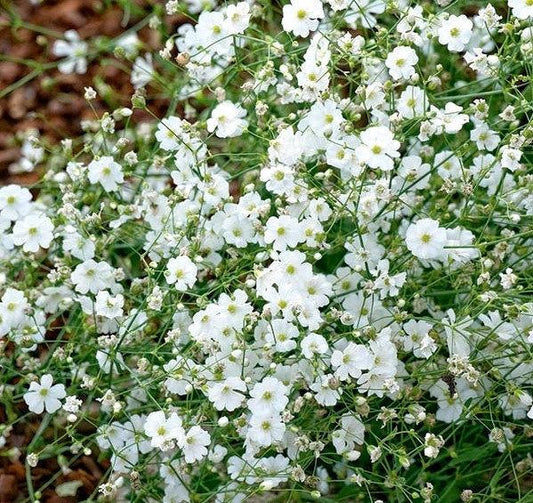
(44, 396)
(74, 51)
(425, 239)
(107, 172)
(302, 16)
(227, 120)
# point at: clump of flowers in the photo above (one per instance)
(310, 279)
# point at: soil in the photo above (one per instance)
(46, 99)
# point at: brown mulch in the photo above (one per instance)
(87, 471)
(50, 101)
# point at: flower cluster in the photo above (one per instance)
(310, 278)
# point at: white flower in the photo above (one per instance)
(324, 119)
(413, 102)
(457, 337)
(31, 150)
(485, 65)
(283, 232)
(351, 361)
(92, 276)
(502, 437)
(378, 148)
(212, 33)
(266, 428)
(459, 245)
(238, 230)
(227, 394)
(107, 172)
(302, 16)
(181, 272)
(450, 120)
(281, 335)
(142, 71)
(485, 138)
(351, 432)
(313, 344)
(363, 12)
(432, 445)
(237, 17)
(374, 95)
(259, 265)
(33, 232)
(425, 239)
(325, 394)
(503, 329)
(15, 202)
(163, 432)
(269, 394)
(217, 454)
(80, 247)
(489, 16)
(170, 133)
(508, 279)
(522, 9)
(401, 62)
(43, 395)
(287, 148)
(418, 340)
(234, 308)
(511, 158)
(455, 32)
(108, 306)
(451, 406)
(72, 404)
(313, 78)
(227, 120)
(448, 165)
(413, 173)
(75, 52)
(13, 308)
(109, 362)
(342, 155)
(130, 43)
(194, 444)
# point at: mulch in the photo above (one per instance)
(50, 101)
(87, 471)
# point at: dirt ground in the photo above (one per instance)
(34, 94)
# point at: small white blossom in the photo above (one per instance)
(44, 396)
(181, 272)
(425, 239)
(107, 172)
